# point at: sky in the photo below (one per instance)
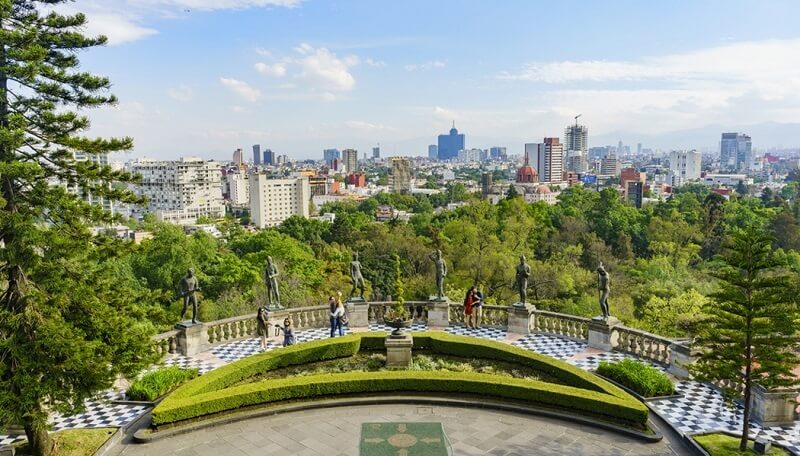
(204, 77)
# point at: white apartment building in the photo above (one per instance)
(728, 180)
(179, 191)
(685, 166)
(100, 160)
(238, 186)
(274, 200)
(547, 158)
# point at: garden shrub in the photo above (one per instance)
(638, 376)
(154, 384)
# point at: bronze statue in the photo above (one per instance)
(521, 279)
(188, 286)
(603, 289)
(271, 278)
(441, 272)
(355, 275)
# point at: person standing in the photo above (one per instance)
(262, 326)
(336, 318)
(468, 307)
(477, 307)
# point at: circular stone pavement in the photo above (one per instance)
(337, 431)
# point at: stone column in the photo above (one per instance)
(358, 310)
(439, 314)
(519, 318)
(192, 339)
(680, 360)
(774, 407)
(600, 333)
(398, 350)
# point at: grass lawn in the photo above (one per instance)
(725, 445)
(78, 442)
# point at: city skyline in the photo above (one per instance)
(196, 77)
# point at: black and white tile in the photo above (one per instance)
(100, 414)
(235, 351)
(497, 334)
(699, 408)
(557, 347)
(383, 328)
(591, 362)
(186, 362)
(10, 439)
(307, 335)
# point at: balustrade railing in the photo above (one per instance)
(417, 309)
(166, 343)
(642, 344)
(491, 316)
(559, 324)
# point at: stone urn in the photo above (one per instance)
(398, 325)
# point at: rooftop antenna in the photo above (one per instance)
(576, 119)
(454, 123)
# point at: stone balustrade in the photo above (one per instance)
(491, 316)
(166, 343)
(559, 324)
(643, 344)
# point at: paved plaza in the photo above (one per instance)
(698, 408)
(337, 432)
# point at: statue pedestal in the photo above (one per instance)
(600, 332)
(775, 407)
(439, 314)
(680, 360)
(358, 310)
(398, 351)
(435, 298)
(192, 338)
(519, 318)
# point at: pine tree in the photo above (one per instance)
(749, 337)
(66, 329)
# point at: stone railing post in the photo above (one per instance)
(774, 407)
(519, 318)
(600, 333)
(680, 360)
(192, 338)
(358, 312)
(439, 314)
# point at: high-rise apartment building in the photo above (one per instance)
(238, 186)
(433, 152)
(256, 154)
(400, 175)
(450, 144)
(350, 159)
(610, 166)
(238, 157)
(547, 158)
(685, 166)
(274, 200)
(470, 155)
(330, 155)
(735, 152)
(376, 152)
(497, 153)
(269, 157)
(576, 147)
(180, 191)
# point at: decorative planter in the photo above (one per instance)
(398, 325)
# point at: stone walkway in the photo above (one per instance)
(336, 432)
(700, 407)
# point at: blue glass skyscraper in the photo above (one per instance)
(450, 144)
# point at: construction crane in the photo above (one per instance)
(576, 119)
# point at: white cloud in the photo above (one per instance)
(323, 70)
(375, 63)
(425, 66)
(276, 69)
(263, 52)
(445, 114)
(239, 109)
(327, 96)
(362, 126)
(242, 89)
(181, 93)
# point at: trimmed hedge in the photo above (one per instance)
(213, 393)
(154, 384)
(638, 376)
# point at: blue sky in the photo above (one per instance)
(204, 77)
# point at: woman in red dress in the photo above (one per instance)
(468, 307)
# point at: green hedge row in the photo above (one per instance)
(638, 376)
(627, 410)
(212, 393)
(154, 384)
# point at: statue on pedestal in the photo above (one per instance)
(187, 287)
(441, 273)
(603, 289)
(521, 279)
(356, 277)
(271, 279)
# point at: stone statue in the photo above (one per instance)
(441, 272)
(521, 279)
(603, 289)
(376, 294)
(271, 278)
(355, 275)
(187, 287)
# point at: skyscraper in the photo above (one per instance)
(685, 166)
(256, 154)
(498, 153)
(237, 157)
(400, 176)
(350, 158)
(735, 152)
(547, 158)
(376, 152)
(450, 144)
(330, 155)
(433, 152)
(269, 157)
(576, 145)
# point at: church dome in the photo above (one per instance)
(527, 175)
(542, 189)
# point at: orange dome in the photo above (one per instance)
(527, 175)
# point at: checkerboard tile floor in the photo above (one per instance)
(185, 362)
(556, 347)
(700, 408)
(486, 333)
(9, 439)
(239, 349)
(307, 335)
(414, 327)
(591, 362)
